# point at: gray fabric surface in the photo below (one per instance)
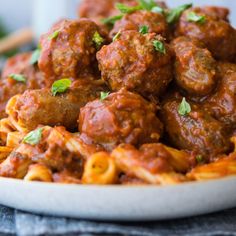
(14, 222)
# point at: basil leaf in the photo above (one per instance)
(60, 86)
(159, 46)
(144, 29)
(116, 36)
(18, 77)
(127, 9)
(193, 17)
(184, 108)
(98, 40)
(33, 137)
(104, 95)
(112, 20)
(35, 56)
(54, 35)
(147, 4)
(174, 14)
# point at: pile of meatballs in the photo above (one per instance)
(139, 76)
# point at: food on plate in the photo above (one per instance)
(132, 93)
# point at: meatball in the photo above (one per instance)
(69, 50)
(222, 104)
(217, 34)
(20, 65)
(195, 68)
(197, 131)
(133, 62)
(97, 10)
(40, 107)
(123, 117)
(217, 12)
(156, 23)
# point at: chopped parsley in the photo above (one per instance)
(199, 159)
(98, 40)
(193, 17)
(159, 46)
(116, 36)
(147, 4)
(174, 14)
(112, 20)
(54, 35)
(18, 77)
(124, 9)
(35, 56)
(158, 9)
(184, 108)
(33, 137)
(60, 86)
(144, 29)
(104, 95)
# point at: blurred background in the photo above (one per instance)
(39, 15)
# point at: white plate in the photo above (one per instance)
(122, 203)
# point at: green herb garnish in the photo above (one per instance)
(33, 137)
(193, 17)
(159, 46)
(116, 36)
(54, 35)
(200, 159)
(18, 77)
(104, 95)
(98, 40)
(158, 9)
(112, 20)
(184, 108)
(124, 9)
(60, 86)
(147, 4)
(144, 29)
(173, 15)
(35, 56)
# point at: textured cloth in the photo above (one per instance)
(14, 222)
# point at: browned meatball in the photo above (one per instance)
(133, 62)
(197, 131)
(20, 65)
(69, 50)
(217, 34)
(123, 117)
(220, 12)
(222, 104)
(195, 68)
(40, 107)
(156, 23)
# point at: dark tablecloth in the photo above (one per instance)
(14, 222)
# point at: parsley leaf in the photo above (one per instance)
(116, 36)
(158, 9)
(200, 159)
(159, 46)
(98, 40)
(174, 14)
(112, 20)
(60, 86)
(35, 56)
(54, 35)
(184, 108)
(104, 95)
(144, 29)
(127, 9)
(193, 17)
(33, 137)
(147, 4)
(18, 77)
